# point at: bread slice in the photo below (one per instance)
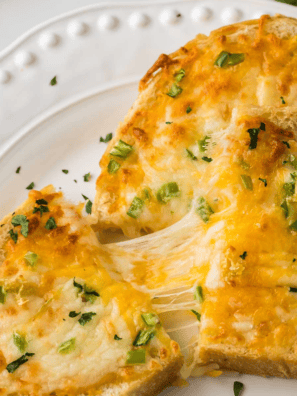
(157, 159)
(67, 326)
(250, 330)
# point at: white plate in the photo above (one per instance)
(98, 54)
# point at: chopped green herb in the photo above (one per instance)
(204, 210)
(113, 166)
(291, 2)
(86, 317)
(107, 138)
(50, 224)
(31, 258)
(84, 197)
(41, 202)
(226, 59)
(75, 181)
(203, 143)
(179, 75)
(198, 294)
(167, 191)
(244, 164)
(67, 346)
(18, 170)
(191, 155)
(121, 149)
(285, 207)
(31, 186)
(289, 189)
(207, 159)
(264, 181)
(150, 319)
(291, 161)
(91, 292)
(146, 193)
(53, 81)
(144, 337)
(66, 171)
(117, 338)
(293, 226)
(42, 209)
(294, 260)
(237, 388)
(79, 286)
(89, 205)
(168, 122)
(20, 342)
(283, 100)
(189, 109)
(2, 295)
(136, 356)
(73, 314)
(247, 182)
(87, 177)
(174, 91)
(198, 315)
(11, 367)
(286, 144)
(254, 132)
(23, 222)
(243, 255)
(13, 235)
(136, 208)
(293, 289)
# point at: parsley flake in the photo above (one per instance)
(237, 388)
(42, 209)
(168, 122)
(89, 205)
(84, 197)
(286, 144)
(113, 167)
(107, 138)
(198, 315)
(117, 338)
(254, 132)
(243, 255)
(264, 181)
(2, 295)
(293, 289)
(189, 109)
(86, 317)
(11, 367)
(51, 224)
(283, 100)
(191, 155)
(31, 186)
(13, 235)
(73, 314)
(66, 171)
(18, 170)
(203, 143)
(20, 342)
(23, 222)
(207, 159)
(87, 177)
(53, 81)
(174, 91)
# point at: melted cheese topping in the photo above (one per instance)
(39, 299)
(160, 129)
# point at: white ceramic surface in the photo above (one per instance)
(98, 54)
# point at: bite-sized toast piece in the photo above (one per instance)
(250, 330)
(157, 159)
(68, 327)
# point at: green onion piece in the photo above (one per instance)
(136, 208)
(66, 171)
(226, 59)
(198, 294)
(67, 346)
(293, 226)
(113, 166)
(89, 205)
(77, 285)
(13, 235)
(53, 81)
(31, 258)
(73, 314)
(144, 337)
(84, 197)
(150, 319)
(191, 155)
(198, 315)
(23, 222)
(179, 75)
(289, 189)
(247, 182)
(207, 159)
(167, 191)
(117, 338)
(20, 342)
(87, 177)
(18, 170)
(136, 356)
(174, 91)
(86, 317)
(204, 210)
(237, 388)
(264, 181)
(51, 224)
(243, 255)
(2, 295)
(121, 149)
(107, 138)
(31, 186)
(203, 143)
(283, 100)
(11, 367)
(189, 109)
(293, 289)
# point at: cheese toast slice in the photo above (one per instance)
(169, 140)
(250, 330)
(67, 326)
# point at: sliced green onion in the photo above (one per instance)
(247, 182)
(136, 356)
(150, 319)
(291, 160)
(2, 295)
(204, 210)
(121, 149)
(67, 346)
(189, 109)
(113, 166)
(144, 337)
(198, 315)
(179, 75)
(203, 143)
(191, 155)
(198, 294)
(226, 59)
(207, 159)
(136, 208)
(20, 342)
(264, 181)
(167, 191)
(293, 226)
(174, 91)
(289, 189)
(31, 258)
